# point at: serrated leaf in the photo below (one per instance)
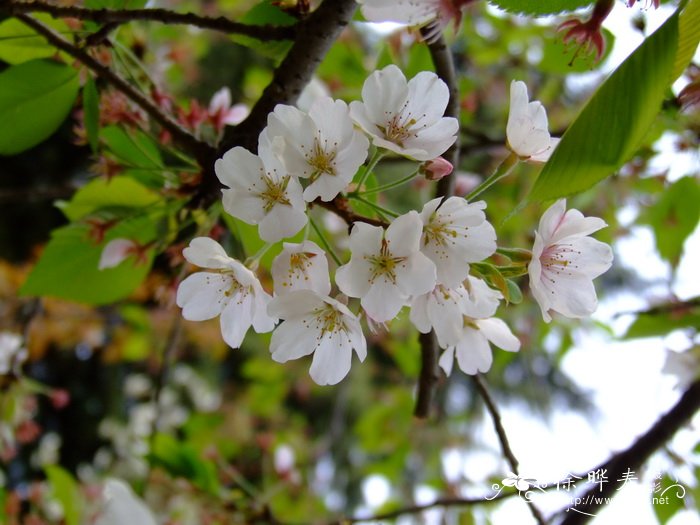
(540, 7)
(35, 98)
(65, 490)
(117, 193)
(91, 113)
(598, 142)
(20, 43)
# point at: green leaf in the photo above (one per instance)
(540, 7)
(65, 489)
(661, 323)
(115, 4)
(181, 459)
(688, 38)
(263, 13)
(19, 43)
(667, 498)
(596, 145)
(91, 113)
(35, 98)
(137, 152)
(118, 193)
(68, 266)
(674, 217)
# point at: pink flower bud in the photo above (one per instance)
(59, 398)
(436, 169)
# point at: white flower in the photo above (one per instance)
(443, 309)
(406, 117)
(386, 267)
(121, 506)
(12, 353)
(261, 192)
(565, 261)
(316, 323)
(473, 350)
(322, 146)
(454, 235)
(230, 290)
(685, 366)
(117, 251)
(527, 129)
(222, 113)
(301, 267)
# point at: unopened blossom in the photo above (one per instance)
(588, 35)
(221, 113)
(406, 117)
(315, 323)
(455, 234)
(228, 289)
(436, 169)
(435, 14)
(474, 348)
(12, 352)
(260, 191)
(121, 506)
(565, 260)
(117, 251)
(322, 145)
(527, 129)
(386, 267)
(301, 266)
(443, 309)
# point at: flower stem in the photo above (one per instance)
(502, 171)
(252, 261)
(390, 185)
(325, 242)
(376, 157)
(377, 207)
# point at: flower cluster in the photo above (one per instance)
(422, 261)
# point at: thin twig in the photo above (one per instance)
(503, 438)
(115, 17)
(199, 149)
(341, 208)
(632, 458)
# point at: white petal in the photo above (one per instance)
(473, 352)
(262, 321)
(243, 205)
(206, 253)
(551, 220)
(447, 360)
(446, 317)
(202, 295)
(239, 168)
(332, 359)
(419, 313)
(384, 91)
(310, 270)
(499, 334)
(294, 305)
(404, 233)
(237, 318)
(365, 239)
(354, 278)
(293, 339)
(281, 222)
(418, 276)
(428, 96)
(114, 253)
(383, 300)
(121, 506)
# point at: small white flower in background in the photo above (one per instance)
(455, 234)
(222, 113)
(474, 350)
(527, 129)
(316, 323)
(406, 117)
(322, 146)
(12, 353)
(117, 251)
(386, 267)
(230, 290)
(261, 192)
(120, 506)
(565, 260)
(685, 366)
(443, 309)
(301, 267)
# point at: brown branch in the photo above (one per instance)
(340, 207)
(165, 16)
(199, 149)
(503, 438)
(635, 456)
(429, 376)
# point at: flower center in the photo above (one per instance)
(399, 127)
(438, 232)
(299, 264)
(384, 264)
(329, 320)
(557, 258)
(322, 160)
(275, 192)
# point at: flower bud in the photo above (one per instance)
(436, 169)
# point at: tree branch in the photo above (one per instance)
(340, 207)
(165, 16)
(199, 149)
(429, 376)
(635, 456)
(503, 438)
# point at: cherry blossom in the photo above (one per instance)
(473, 350)
(406, 117)
(386, 267)
(12, 353)
(230, 290)
(527, 129)
(120, 505)
(221, 113)
(117, 251)
(322, 145)
(684, 366)
(454, 234)
(565, 260)
(315, 323)
(300, 267)
(443, 309)
(436, 169)
(261, 191)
